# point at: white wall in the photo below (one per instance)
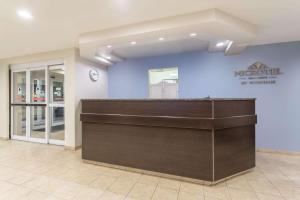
(87, 89)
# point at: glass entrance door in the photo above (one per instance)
(56, 105)
(29, 102)
(38, 105)
(19, 109)
(37, 108)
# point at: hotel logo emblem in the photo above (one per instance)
(258, 73)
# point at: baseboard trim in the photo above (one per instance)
(4, 138)
(272, 151)
(163, 175)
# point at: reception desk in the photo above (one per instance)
(198, 140)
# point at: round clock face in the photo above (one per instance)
(94, 75)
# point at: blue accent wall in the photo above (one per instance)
(202, 74)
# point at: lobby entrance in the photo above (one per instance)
(37, 103)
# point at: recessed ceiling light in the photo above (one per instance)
(220, 44)
(25, 14)
(108, 57)
(161, 39)
(193, 34)
(109, 46)
(133, 43)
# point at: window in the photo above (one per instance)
(56, 85)
(163, 83)
(19, 90)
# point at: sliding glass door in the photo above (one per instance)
(56, 105)
(19, 108)
(37, 104)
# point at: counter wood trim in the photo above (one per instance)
(167, 121)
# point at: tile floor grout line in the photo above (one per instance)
(254, 191)
(228, 191)
(273, 185)
(130, 190)
(227, 188)
(154, 191)
(106, 189)
(179, 190)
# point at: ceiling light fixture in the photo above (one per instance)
(193, 34)
(229, 45)
(133, 43)
(24, 14)
(109, 46)
(102, 59)
(161, 39)
(108, 57)
(220, 44)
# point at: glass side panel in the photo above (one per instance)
(19, 87)
(19, 120)
(38, 86)
(57, 124)
(38, 122)
(56, 79)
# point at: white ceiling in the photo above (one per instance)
(210, 27)
(161, 48)
(58, 23)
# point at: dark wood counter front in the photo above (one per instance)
(193, 139)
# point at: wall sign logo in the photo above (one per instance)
(258, 73)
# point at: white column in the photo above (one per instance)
(70, 107)
(4, 101)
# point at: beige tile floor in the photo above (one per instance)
(43, 172)
(57, 135)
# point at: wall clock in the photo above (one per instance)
(94, 74)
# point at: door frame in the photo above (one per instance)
(54, 105)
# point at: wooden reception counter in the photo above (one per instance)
(198, 140)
